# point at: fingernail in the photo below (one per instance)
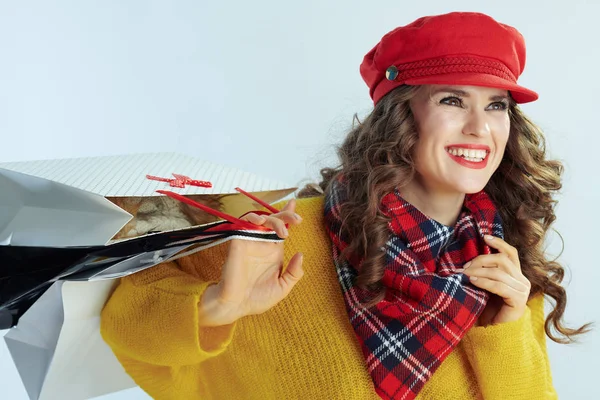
(284, 231)
(299, 218)
(489, 237)
(467, 265)
(473, 278)
(460, 270)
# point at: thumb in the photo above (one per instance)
(293, 272)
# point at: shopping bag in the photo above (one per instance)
(39, 211)
(57, 348)
(124, 180)
(54, 293)
(26, 272)
(51, 230)
(56, 345)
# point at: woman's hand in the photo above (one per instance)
(500, 274)
(252, 281)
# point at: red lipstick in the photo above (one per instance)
(470, 164)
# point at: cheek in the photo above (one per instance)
(503, 132)
(501, 136)
(437, 126)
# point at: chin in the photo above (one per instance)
(469, 187)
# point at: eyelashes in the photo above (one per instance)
(458, 102)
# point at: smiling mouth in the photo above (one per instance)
(471, 155)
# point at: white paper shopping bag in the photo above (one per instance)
(56, 344)
(124, 181)
(57, 347)
(39, 212)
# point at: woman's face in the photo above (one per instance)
(463, 132)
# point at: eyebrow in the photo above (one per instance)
(462, 93)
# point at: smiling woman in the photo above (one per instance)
(463, 132)
(422, 251)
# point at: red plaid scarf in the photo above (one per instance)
(428, 307)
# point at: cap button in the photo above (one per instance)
(391, 73)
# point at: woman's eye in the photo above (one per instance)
(457, 102)
(452, 101)
(499, 105)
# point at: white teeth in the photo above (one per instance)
(468, 154)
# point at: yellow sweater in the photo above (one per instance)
(303, 348)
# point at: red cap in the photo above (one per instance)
(459, 48)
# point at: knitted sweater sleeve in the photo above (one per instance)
(510, 360)
(152, 317)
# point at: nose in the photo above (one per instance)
(476, 124)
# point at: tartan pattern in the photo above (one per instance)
(428, 307)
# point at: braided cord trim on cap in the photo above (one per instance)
(452, 64)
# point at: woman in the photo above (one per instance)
(431, 306)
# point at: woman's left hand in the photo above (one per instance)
(501, 274)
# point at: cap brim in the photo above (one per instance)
(519, 93)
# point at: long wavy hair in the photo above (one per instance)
(377, 156)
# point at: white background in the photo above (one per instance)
(269, 87)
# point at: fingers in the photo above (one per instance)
(504, 248)
(494, 266)
(496, 277)
(289, 217)
(293, 273)
(290, 206)
(270, 222)
(288, 213)
(495, 261)
(510, 295)
(500, 274)
(278, 221)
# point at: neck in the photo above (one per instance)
(444, 207)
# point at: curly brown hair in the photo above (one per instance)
(376, 158)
